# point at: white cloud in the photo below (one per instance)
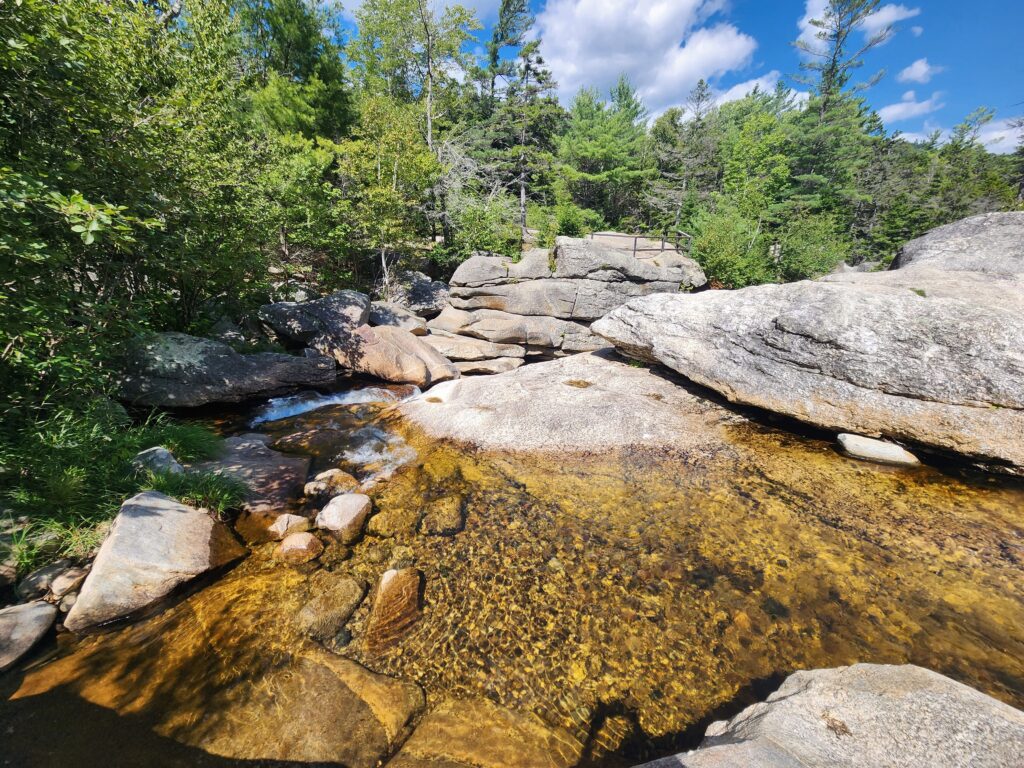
(664, 46)
(917, 31)
(919, 72)
(999, 136)
(765, 83)
(909, 107)
(886, 16)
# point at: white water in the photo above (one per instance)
(293, 405)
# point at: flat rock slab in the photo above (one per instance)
(273, 478)
(582, 403)
(851, 355)
(325, 710)
(155, 544)
(477, 733)
(489, 367)
(21, 627)
(458, 348)
(174, 370)
(865, 715)
(545, 333)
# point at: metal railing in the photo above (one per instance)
(680, 241)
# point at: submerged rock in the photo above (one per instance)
(853, 354)
(344, 516)
(876, 450)
(21, 627)
(443, 517)
(582, 403)
(476, 733)
(385, 313)
(324, 617)
(298, 548)
(865, 715)
(174, 370)
(154, 545)
(390, 354)
(396, 607)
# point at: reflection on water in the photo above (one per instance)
(621, 597)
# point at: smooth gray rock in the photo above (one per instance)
(300, 322)
(37, 583)
(489, 367)
(990, 242)
(420, 294)
(457, 348)
(178, 370)
(157, 459)
(851, 354)
(579, 403)
(866, 715)
(154, 545)
(21, 627)
(869, 449)
(548, 333)
(385, 313)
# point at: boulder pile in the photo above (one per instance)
(930, 353)
(542, 305)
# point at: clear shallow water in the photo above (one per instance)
(622, 598)
(294, 405)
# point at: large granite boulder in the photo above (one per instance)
(916, 355)
(299, 323)
(178, 370)
(588, 402)
(417, 292)
(390, 354)
(989, 242)
(865, 715)
(155, 544)
(582, 281)
(537, 334)
(385, 313)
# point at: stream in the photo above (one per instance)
(621, 600)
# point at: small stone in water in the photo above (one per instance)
(330, 483)
(443, 517)
(867, 448)
(288, 524)
(324, 617)
(299, 548)
(344, 516)
(395, 609)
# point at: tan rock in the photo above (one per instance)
(458, 348)
(385, 313)
(323, 617)
(299, 548)
(396, 608)
(481, 734)
(390, 354)
(330, 483)
(344, 516)
(287, 524)
(443, 517)
(489, 367)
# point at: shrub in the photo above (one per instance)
(810, 246)
(731, 248)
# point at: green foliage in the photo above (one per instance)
(810, 246)
(217, 493)
(70, 469)
(730, 247)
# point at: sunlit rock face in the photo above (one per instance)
(606, 590)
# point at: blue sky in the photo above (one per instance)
(947, 58)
